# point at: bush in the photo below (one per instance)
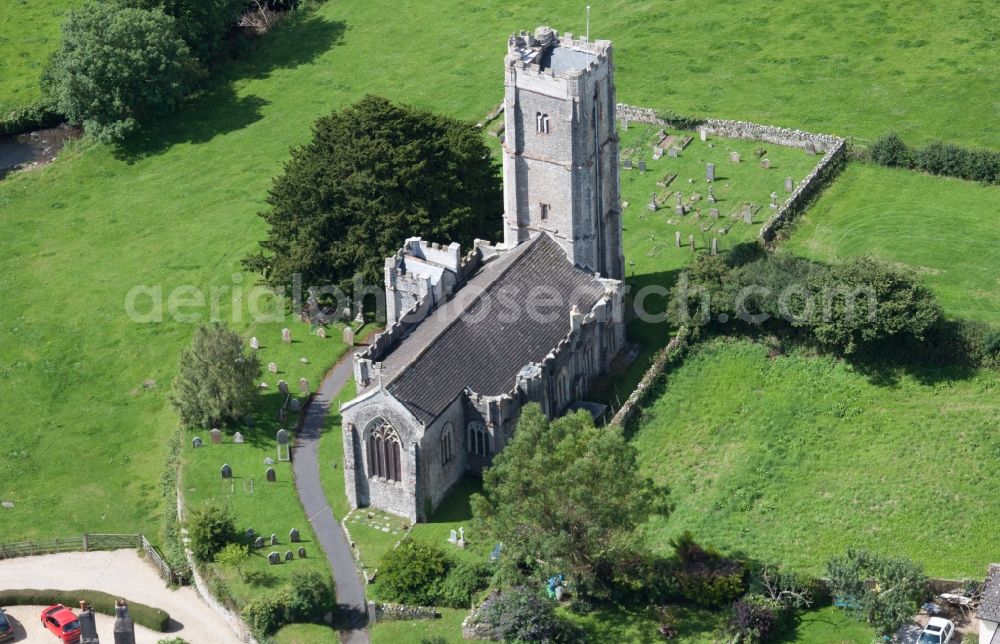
(210, 528)
(37, 116)
(268, 612)
(755, 618)
(523, 616)
(307, 598)
(413, 573)
(889, 150)
(705, 577)
(885, 611)
(464, 581)
(143, 615)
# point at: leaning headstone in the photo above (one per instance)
(709, 172)
(349, 336)
(226, 471)
(196, 442)
(268, 461)
(735, 157)
(321, 331)
(274, 558)
(274, 539)
(289, 555)
(238, 438)
(286, 335)
(294, 405)
(642, 166)
(254, 343)
(691, 241)
(677, 238)
(272, 367)
(789, 184)
(303, 386)
(271, 475)
(258, 542)
(302, 553)
(216, 434)
(715, 246)
(293, 535)
(283, 387)
(657, 152)
(765, 163)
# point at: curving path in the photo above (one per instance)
(305, 463)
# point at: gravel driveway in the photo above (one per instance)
(122, 573)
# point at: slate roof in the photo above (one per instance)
(483, 336)
(989, 604)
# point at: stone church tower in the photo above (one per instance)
(560, 166)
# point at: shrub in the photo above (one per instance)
(464, 581)
(234, 555)
(143, 615)
(210, 528)
(889, 150)
(704, 576)
(267, 612)
(523, 616)
(900, 587)
(413, 573)
(755, 618)
(307, 598)
(37, 116)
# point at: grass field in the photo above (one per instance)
(29, 32)
(794, 459)
(943, 228)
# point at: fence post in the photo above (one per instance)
(86, 542)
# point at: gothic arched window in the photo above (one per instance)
(446, 433)
(478, 438)
(383, 451)
(562, 388)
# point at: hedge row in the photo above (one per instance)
(152, 618)
(37, 116)
(937, 158)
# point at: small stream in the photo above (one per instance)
(35, 147)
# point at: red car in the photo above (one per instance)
(62, 622)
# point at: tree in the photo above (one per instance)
(374, 173)
(210, 529)
(234, 555)
(116, 67)
(520, 615)
(886, 592)
(412, 573)
(566, 497)
(203, 24)
(890, 150)
(217, 379)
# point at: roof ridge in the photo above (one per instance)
(529, 245)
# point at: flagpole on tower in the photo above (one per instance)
(588, 23)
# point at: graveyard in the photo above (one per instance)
(767, 456)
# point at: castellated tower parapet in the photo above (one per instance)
(561, 149)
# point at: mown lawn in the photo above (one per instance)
(796, 458)
(306, 634)
(29, 32)
(943, 228)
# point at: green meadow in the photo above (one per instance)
(29, 32)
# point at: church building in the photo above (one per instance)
(473, 337)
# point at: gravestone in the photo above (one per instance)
(302, 553)
(274, 558)
(709, 172)
(283, 387)
(774, 199)
(238, 438)
(294, 405)
(226, 471)
(789, 184)
(713, 213)
(810, 147)
(289, 555)
(250, 533)
(286, 335)
(216, 434)
(274, 539)
(453, 537)
(765, 163)
(703, 134)
(673, 152)
(283, 449)
(627, 164)
(677, 239)
(272, 367)
(349, 336)
(271, 475)
(711, 193)
(196, 442)
(657, 152)
(303, 386)
(680, 209)
(321, 332)
(359, 319)
(268, 461)
(624, 124)
(748, 214)
(293, 535)
(282, 437)
(715, 246)
(263, 385)
(691, 241)
(679, 198)
(735, 157)
(642, 166)
(258, 542)
(254, 343)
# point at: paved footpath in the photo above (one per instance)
(331, 535)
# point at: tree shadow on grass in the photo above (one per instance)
(218, 109)
(456, 507)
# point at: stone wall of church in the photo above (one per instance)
(438, 476)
